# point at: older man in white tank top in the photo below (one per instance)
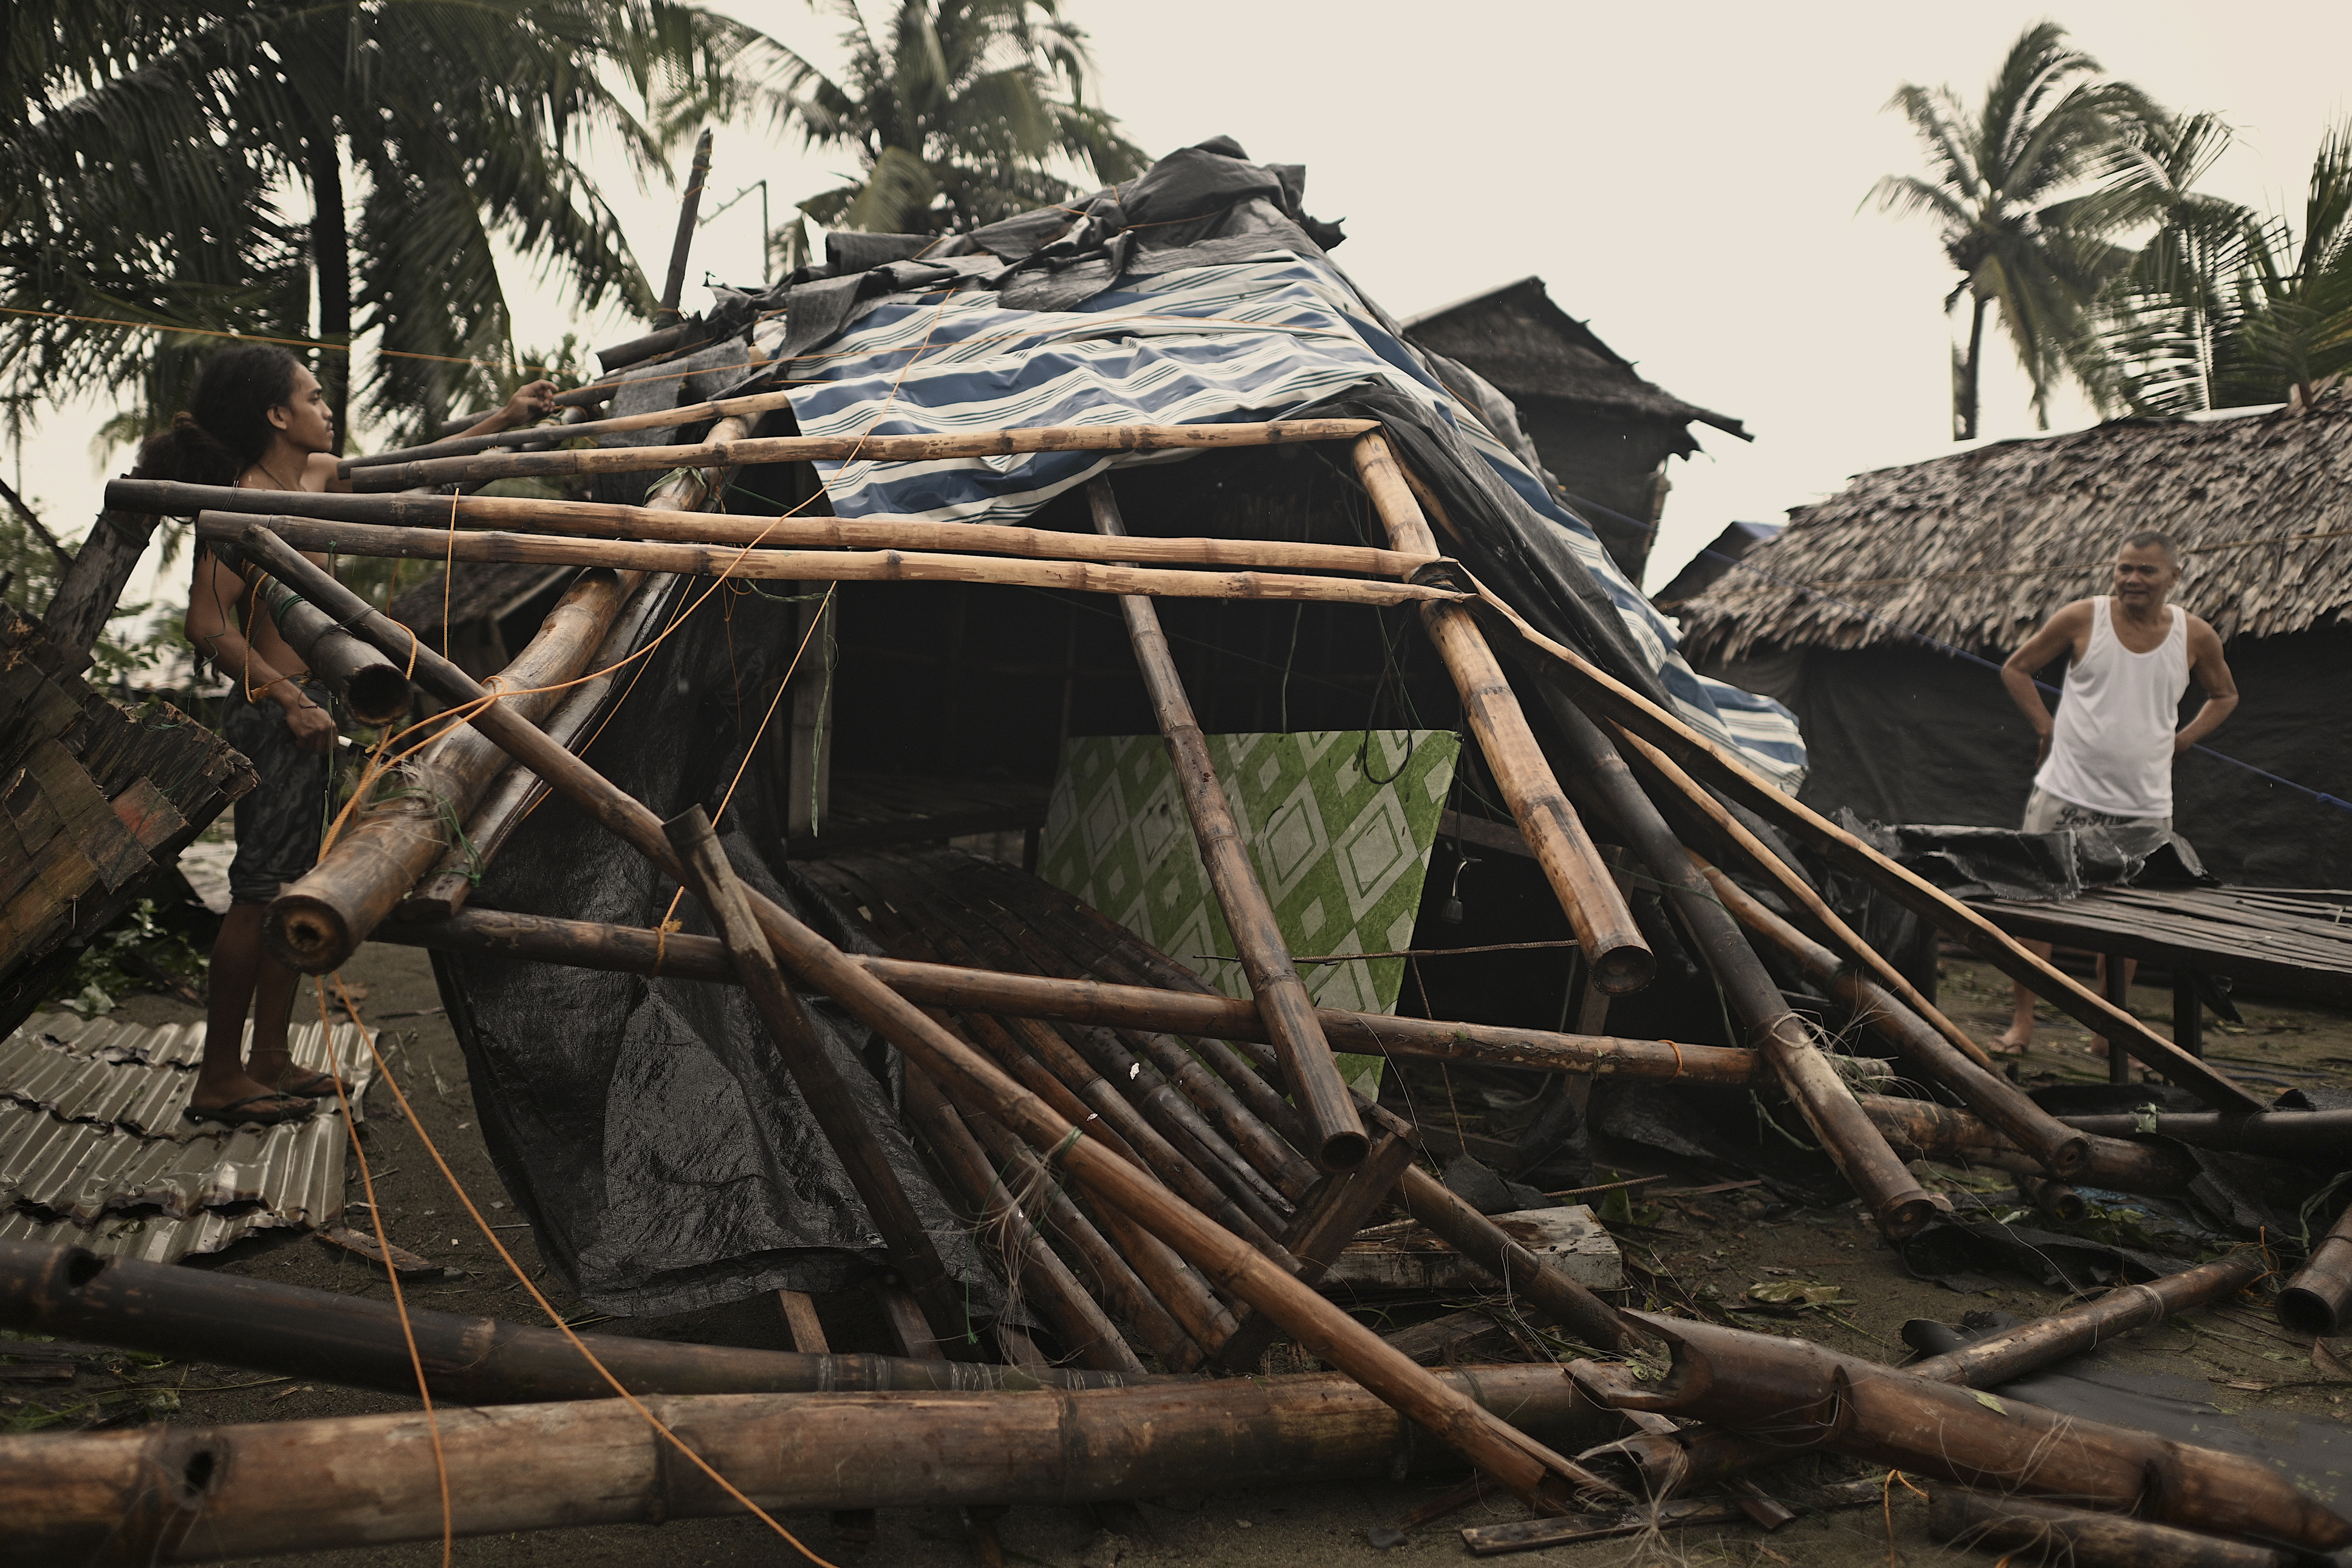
(2106, 759)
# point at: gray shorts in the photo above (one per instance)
(280, 821)
(2046, 813)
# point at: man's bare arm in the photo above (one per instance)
(2058, 635)
(211, 627)
(2213, 672)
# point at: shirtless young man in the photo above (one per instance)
(2106, 757)
(259, 421)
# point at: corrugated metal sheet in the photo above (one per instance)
(94, 1152)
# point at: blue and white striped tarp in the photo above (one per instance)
(1227, 343)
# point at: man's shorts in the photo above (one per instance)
(2046, 813)
(281, 819)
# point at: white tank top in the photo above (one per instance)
(2111, 750)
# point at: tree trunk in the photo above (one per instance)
(331, 261)
(1965, 371)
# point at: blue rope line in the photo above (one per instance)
(2320, 796)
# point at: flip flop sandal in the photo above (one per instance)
(316, 1086)
(234, 1115)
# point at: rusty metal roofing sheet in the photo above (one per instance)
(94, 1152)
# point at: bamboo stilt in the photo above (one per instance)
(1608, 697)
(1546, 1479)
(729, 454)
(1204, 1017)
(1605, 930)
(233, 1320)
(2061, 1148)
(162, 1494)
(1335, 1137)
(818, 566)
(819, 1079)
(599, 519)
(1897, 1200)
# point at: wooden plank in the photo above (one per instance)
(801, 1324)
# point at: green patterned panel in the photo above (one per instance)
(1340, 852)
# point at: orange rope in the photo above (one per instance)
(383, 1071)
(383, 1247)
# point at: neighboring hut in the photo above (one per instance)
(1704, 569)
(1603, 431)
(1975, 551)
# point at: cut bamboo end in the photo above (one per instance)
(307, 933)
(1625, 968)
(377, 694)
(1907, 1214)
(1343, 1151)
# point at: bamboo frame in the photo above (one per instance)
(1546, 1479)
(2061, 1150)
(1194, 1015)
(729, 454)
(602, 520)
(818, 566)
(1334, 1136)
(1605, 930)
(1610, 698)
(658, 419)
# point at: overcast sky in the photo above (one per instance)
(1684, 177)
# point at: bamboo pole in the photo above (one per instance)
(1801, 1395)
(2318, 1300)
(1342, 1203)
(1487, 1244)
(1030, 1270)
(2319, 1135)
(1605, 931)
(819, 1079)
(405, 826)
(1546, 1479)
(374, 690)
(1941, 1133)
(1609, 697)
(145, 1497)
(602, 520)
(1802, 894)
(819, 566)
(726, 453)
(2061, 1148)
(1694, 1456)
(2025, 1528)
(1335, 1137)
(511, 796)
(1898, 1203)
(1203, 1016)
(674, 285)
(230, 1320)
(657, 419)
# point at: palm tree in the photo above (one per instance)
(154, 148)
(2010, 190)
(963, 113)
(2227, 308)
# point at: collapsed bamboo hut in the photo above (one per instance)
(1136, 539)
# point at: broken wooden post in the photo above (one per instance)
(1606, 696)
(718, 453)
(1546, 1479)
(2061, 1148)
(1605, 931)
(160, 1494)
(2026, 1529)
(666, 314)
(1196, 1014)
(657, 521)
(1333, 1137)
(1899, 1204)
(819, 1079)
(763, 565)
(2318, 1300)
(1798, 1396)
(198, 1314)
(86, 595)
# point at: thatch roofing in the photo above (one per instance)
(1979, 548)
(480, 590)
(1529, 348)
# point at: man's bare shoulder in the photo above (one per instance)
(2072, 617)
(2200, 631)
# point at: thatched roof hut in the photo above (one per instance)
(1977, 549)
(1603, 431)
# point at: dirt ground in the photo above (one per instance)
(1729, 1241)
